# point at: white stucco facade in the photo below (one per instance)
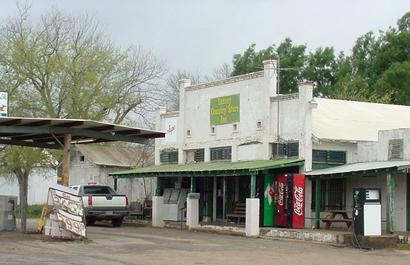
(267, 118)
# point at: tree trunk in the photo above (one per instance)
(23, 188)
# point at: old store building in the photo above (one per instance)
(231, 137)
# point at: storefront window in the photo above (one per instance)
(333, 194)
(328, 156)
(281, 150)
(221, 153)
(169, 156)
(199, 155)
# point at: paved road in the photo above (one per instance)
(139, 245)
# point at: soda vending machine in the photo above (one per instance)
(290, 200)
(367, 213)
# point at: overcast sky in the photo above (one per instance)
(200, 35)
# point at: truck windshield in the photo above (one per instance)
(97, 190)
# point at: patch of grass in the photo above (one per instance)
(34, 211)
(403, 247)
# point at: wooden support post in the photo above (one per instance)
(317, 202)
(214, 199)
(66, 160)
(391, 195)
(193, 184)
(237, 189)
(253, 184)
(224, 198)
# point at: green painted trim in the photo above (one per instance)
(208, 169)
(253, 184)
(158, 188)
(391, 195)
(408, 201)
(193, 184)
(317, 202)
(366, 173)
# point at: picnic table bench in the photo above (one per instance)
(239, 212)
(343, 218)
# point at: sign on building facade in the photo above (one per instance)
(171, 129)
(4, 104)
(225, 110)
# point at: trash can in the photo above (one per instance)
(8, 206)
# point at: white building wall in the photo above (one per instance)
(258, 103)
(197, 117)
(367, 151)
(38, 184)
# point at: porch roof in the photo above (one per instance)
(361, 169)
(208, 168)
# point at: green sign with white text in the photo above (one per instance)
(225, 110)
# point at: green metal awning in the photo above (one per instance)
(361, 169)
(208, 169)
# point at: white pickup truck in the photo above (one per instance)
(100, 202)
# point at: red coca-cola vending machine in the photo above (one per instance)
(290, 200)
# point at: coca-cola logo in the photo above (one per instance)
(298, 202)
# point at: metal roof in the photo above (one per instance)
(362, 168)
(49, 132)
(356, 121)
(208, 168)
(111, 156)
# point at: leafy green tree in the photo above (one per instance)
(64, 67)
(403, 24)
(395, 82)
(291, 57)
(251, 60)
(321, 67)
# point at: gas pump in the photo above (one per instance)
(367, 211)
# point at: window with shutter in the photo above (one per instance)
(199, 155)
(395, 149)
(280, 150)
(221, 153)
(168, 156)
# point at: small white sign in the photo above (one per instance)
(4, 104)
(171, 130)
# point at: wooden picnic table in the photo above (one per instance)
(337, 216)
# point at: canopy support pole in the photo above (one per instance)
(66, 160)
(391, 195)
(158, 188)
(193, 184)
(253, 184)
(317, 202)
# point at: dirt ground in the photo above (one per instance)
(142, 245)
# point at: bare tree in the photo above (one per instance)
(224, 71)
(172, 88)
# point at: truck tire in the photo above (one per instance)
(90, 221)
(117, 222)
